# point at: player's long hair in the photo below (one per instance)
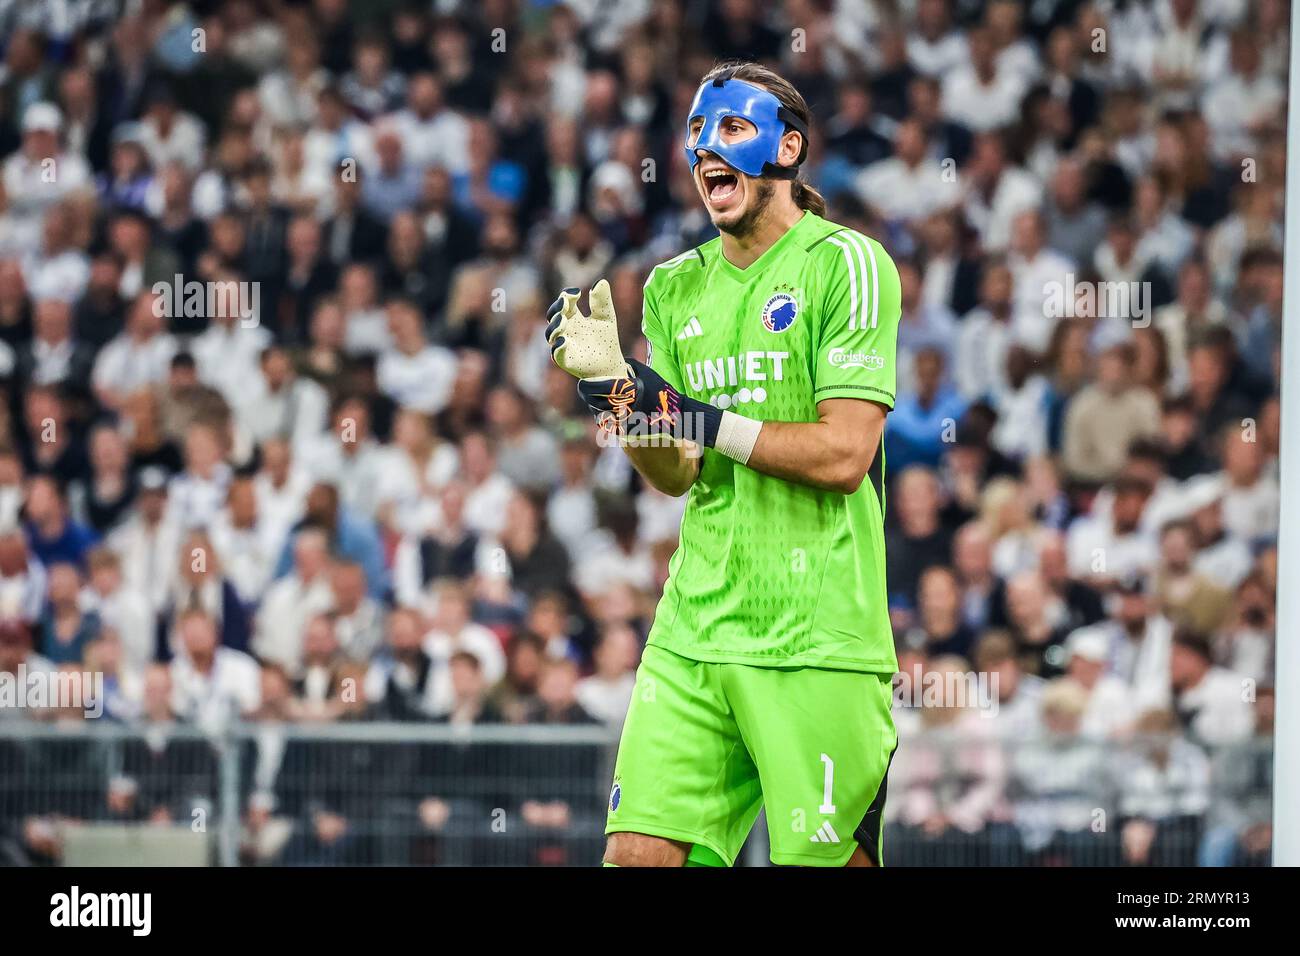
(804, 195)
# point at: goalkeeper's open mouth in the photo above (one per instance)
(721, 186)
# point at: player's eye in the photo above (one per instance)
(738, 130)
(693, 131)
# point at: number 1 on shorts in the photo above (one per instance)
(827, 806)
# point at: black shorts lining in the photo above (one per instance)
(868, 832)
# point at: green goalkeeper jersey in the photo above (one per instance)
(769, 572)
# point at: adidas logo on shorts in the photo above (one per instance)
(825, 834)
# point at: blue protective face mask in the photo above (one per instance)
(724, 97)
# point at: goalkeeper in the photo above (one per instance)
(766, 676)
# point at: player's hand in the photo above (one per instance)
(611, 400)
(650, 404)
(586, 346)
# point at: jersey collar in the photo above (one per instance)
(770, 255)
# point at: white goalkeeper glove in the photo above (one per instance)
(586, 346)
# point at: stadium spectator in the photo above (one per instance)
(1060, 785)
(468, 702)
(293, 599)
(1164, 794)
(52, 534)
(122, 608)
(401, 681)
(452, 630)
(1018, 704)
(921, 419)
(934, 819)
(319, 691)
(557, 695)
(65, 629)
(1209, 700)
(606, 693)
(211, 684)
(1108, 712)
(919, 540)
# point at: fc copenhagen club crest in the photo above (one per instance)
(780, 311)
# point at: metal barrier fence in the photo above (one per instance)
(345, 794)
(428, 794)
(1149, 801)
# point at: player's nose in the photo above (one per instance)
(719, 163)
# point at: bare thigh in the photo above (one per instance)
(859, 858)
(641, 849)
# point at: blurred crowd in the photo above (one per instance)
(342, 479)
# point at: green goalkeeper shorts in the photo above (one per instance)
(706, 745)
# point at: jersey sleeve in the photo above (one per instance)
(859, 321)
(660, 356)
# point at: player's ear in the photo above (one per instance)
(787, 153)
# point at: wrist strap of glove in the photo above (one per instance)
(725, 432)
(671, 414)
(737, 436)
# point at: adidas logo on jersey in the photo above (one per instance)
(692, 329)
(825, 834)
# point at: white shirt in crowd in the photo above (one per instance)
(907, 193)
(1040, 287)
(1021, 431)
(571, 516)
(979, 106)
(62, 276)
(367, 332)
(474, 638)
(1179, 785)
(441, 140)
(606, 700)
(403, 485)
(422, 381)
(1016, 191)
(298, 411)
(356, 473)
(1226, 562)
(486, 504)
(289, 603)
(128, 613)
(149, 557)
(1109, 711)
(232, 688)
(193, 501)
(280, 508)
(606, 565)
(1236, 103)
(126, 365)
(1219, 708)
(31, 189)
(182, 143)
(228, 358)
(1094, 549)
(52, 361)
(937, 57)
(1250, 511)
(248, 555)
(980, 364)
(1143, 663)
(362, 632)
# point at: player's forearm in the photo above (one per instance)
(819, 454)
(668, 468)
(832, 453)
